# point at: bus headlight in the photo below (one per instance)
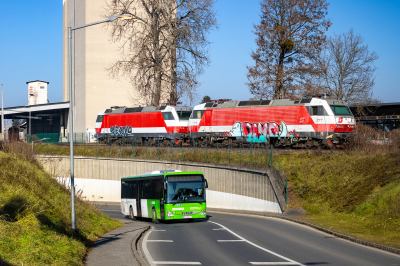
(203, 213)
(170, 214)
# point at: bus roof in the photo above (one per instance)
(164, 174)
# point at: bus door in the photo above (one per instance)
(138, 198)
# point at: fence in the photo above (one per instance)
(254, 155)
(79, 138)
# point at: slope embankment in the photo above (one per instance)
(35, 217)
(354, 193)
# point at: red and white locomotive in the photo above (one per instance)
(141, 123)
(304, 123)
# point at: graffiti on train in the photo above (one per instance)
(260, 132)
(121, 131)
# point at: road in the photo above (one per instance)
(230, 239)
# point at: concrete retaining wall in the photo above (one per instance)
(229, 187)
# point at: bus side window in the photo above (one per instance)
(158, 188)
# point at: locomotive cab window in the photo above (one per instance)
(317, 110)
(168, 116)
(197, 114)
(184, 115)
(340, 110)
(99, 118)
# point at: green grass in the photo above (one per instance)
(352, 193)
(35, 219)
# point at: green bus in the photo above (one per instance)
(164, 195)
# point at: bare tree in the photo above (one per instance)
(164, 46)
(289, 39)
(349, 68)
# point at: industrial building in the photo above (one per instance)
(92, 54)
(382, 116)
(39, 116)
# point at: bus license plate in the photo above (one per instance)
(185, 217)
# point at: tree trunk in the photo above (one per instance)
(157, 60)
(279, 92)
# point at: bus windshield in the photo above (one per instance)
(185, 192)
(340, 110)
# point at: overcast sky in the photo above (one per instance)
(31, 45)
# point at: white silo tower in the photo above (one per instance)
(37, 92)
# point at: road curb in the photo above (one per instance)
(135, 241)
(339, 235)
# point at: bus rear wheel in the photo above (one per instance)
(131, 213)
(154, 216)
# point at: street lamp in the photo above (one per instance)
(71, 131)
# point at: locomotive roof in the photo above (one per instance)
(280, 102)
(146, 109)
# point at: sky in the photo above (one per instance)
(31, 46)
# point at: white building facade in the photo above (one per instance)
(92, 54)
(37, 92)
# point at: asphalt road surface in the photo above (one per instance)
(230, 239)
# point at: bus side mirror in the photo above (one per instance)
(165, 186)
(205, 183)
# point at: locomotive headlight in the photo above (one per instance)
(170, 214)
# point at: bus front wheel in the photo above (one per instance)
(130, 213)
(154, 216)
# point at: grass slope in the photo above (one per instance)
(352, 193)
(35, 220)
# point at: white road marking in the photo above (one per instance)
(177, 262)
(219, 229)
(257, 246)
(159, 230)
(145, 250)
(240, 240)
(159, 241)
(274, 263)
